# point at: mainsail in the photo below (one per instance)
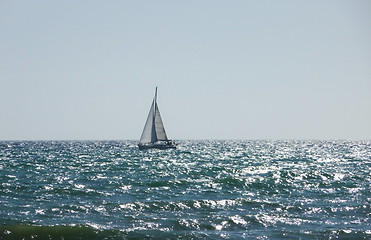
(154, 128)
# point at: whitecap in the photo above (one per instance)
(40, 211)
(238, 220)
(79, 186)
(220, 226)
(338, 176)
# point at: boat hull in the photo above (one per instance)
(156, 146)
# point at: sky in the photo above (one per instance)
(87, 70)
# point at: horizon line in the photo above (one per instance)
(195, 139)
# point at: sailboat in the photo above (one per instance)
(154, 135)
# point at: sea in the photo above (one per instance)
(209, 189)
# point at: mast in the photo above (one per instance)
(156, 97)
(154, 104)
(154, 133)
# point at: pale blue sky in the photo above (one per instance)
(72, 70)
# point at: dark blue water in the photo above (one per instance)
(202, 190)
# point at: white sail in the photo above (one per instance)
(159, 126)
(154, 135)
(149, 131)
(154, 128)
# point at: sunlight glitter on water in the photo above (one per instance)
(203, 189)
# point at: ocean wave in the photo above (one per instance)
(202, 190)
(24, 231)
(230, 228)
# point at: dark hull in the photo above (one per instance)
(156, 146)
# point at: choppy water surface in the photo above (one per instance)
(202, 190)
